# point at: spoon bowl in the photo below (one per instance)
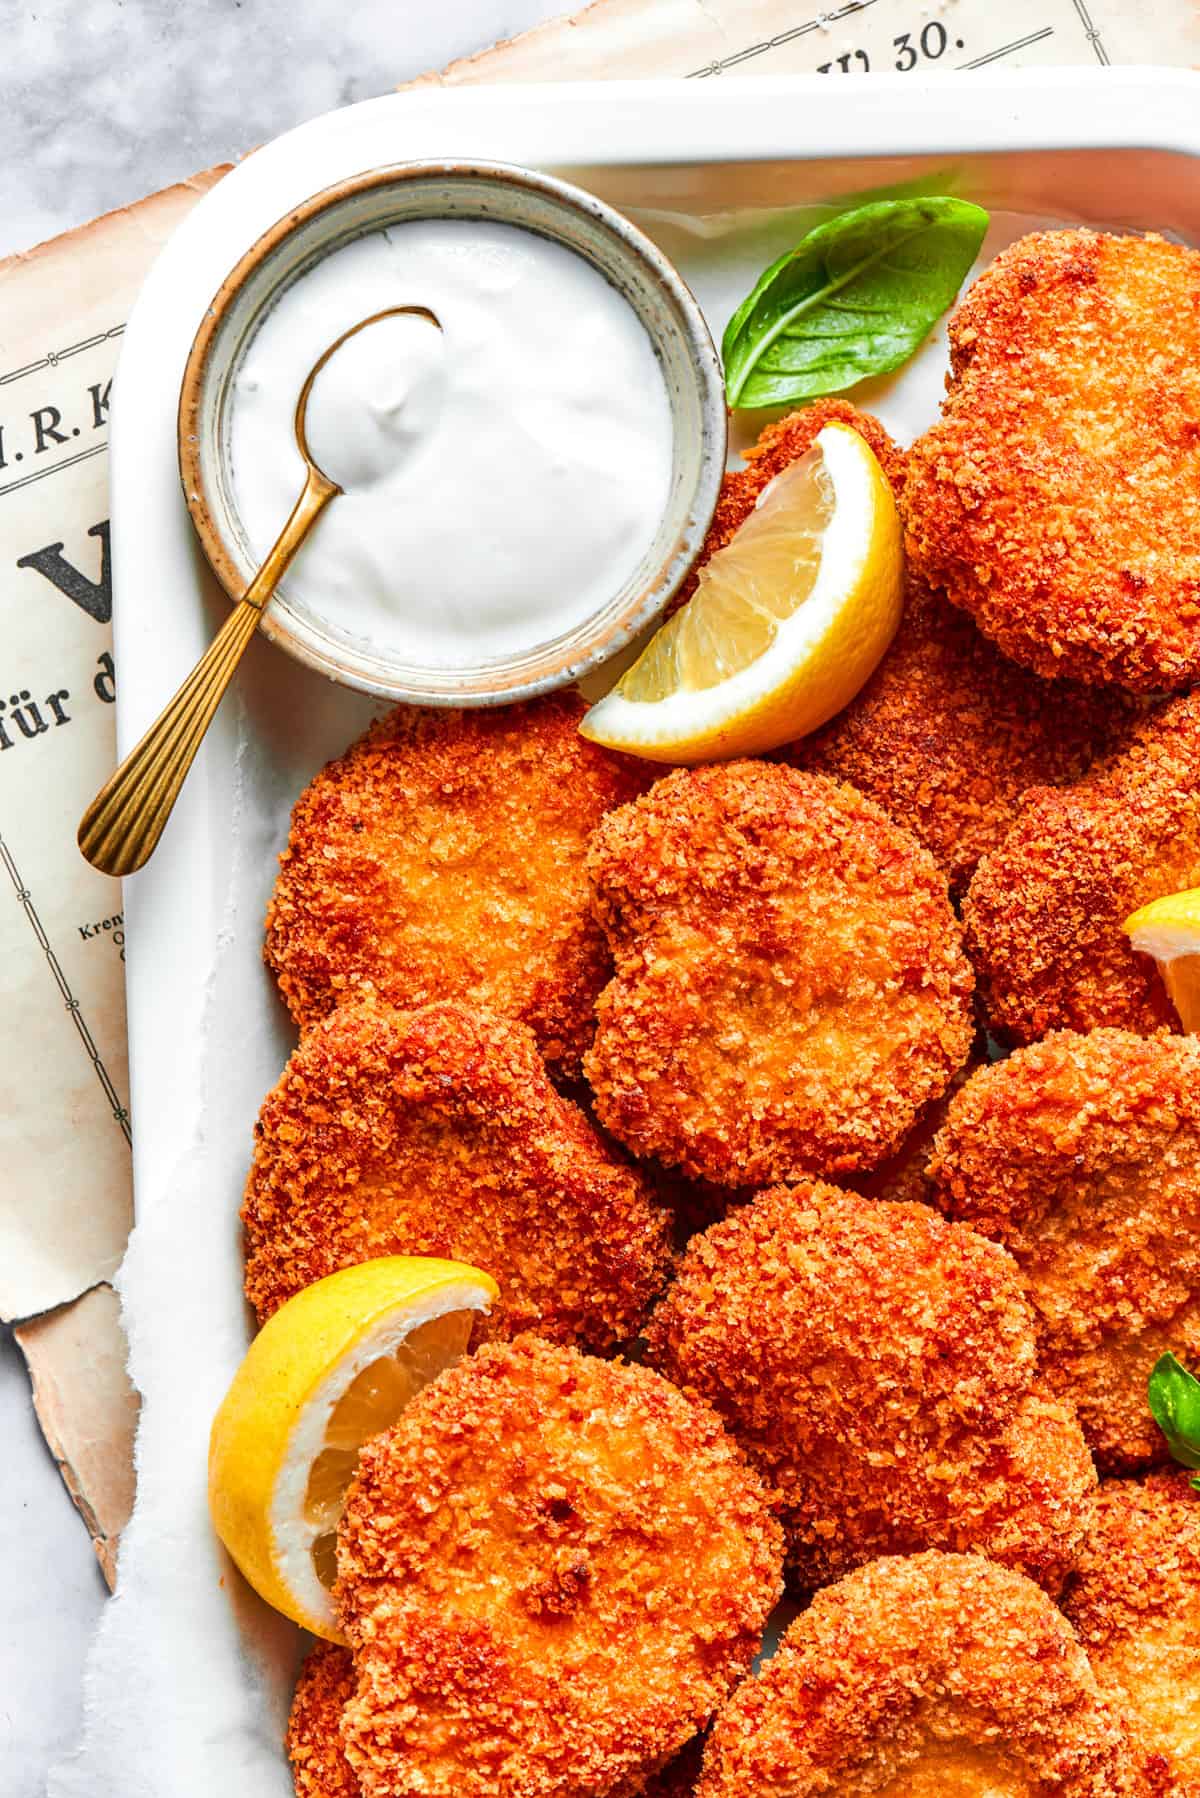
(120, 829)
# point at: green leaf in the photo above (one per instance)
(1174, 1396)
(855, 298)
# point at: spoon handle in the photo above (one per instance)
(120, 829)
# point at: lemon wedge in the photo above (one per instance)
(786, 624)
(1169, 930)
(333, 1367)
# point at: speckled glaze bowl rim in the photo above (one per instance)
(546, 666)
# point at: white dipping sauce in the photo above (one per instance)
(503, 476)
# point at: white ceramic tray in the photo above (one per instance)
(722, 175)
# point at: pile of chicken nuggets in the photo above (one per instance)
(864, 1010)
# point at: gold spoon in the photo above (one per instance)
(121, 827)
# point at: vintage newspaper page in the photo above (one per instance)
(64, 1124)
(65, 1201)
(707, 38)
(65, 1206)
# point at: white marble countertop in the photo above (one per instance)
(107, 100)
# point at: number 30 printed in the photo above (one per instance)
(930, 44)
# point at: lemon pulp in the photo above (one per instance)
(764, 574)
(370, 1404)
(334, 1366)
(1169, 930)
(787, 621)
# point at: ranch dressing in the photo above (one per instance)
(503, 476)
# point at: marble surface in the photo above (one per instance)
(108, 100)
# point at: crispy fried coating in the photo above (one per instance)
(321, 1769)
(314, 1733)
(780, 444)
(1058, 499)
(936, 1676)
(442, 857)
(905, 1175)
(948, 733)
(1044, 911)
(790, 983)
(878, 1365)
(1081, 1154)
(437, 1132)
(1134, 1599)
(551, 1572)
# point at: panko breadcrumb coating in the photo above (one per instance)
(1134, 1599)
(437, 1132)
(442, 858)
(790, 984)
(878, 1365)
(948, 733)
(1081, 1154)
(1058, 499)
(314, 1733)
(905, 1175)
(1044, 911)
(320, 1768)
(551, 1571)
(937, 1676)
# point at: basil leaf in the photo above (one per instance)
(1174, 1396)
(854, 298)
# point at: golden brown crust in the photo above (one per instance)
(314, 1733)
(437, 1132)
(904, 1176)
(948, 733)
(790, 983)
(878, 1365)
(935, 1675)
(1056, 499)
(1134, 1599)
(1044, 911)
(551, 1572)
(1080, 1155)
(442, 858)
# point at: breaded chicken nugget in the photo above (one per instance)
(320, 1768)
(437, 1132)
(1056, 501)
(878, 1365)
(790, 988)
(314, 1733)
(551, 1571)
(938, 1676)
(947, 734)
(1044, 911)
(1081, 1154)
(442, 858)
(1134, 1599)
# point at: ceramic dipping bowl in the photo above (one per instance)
(633, 266)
